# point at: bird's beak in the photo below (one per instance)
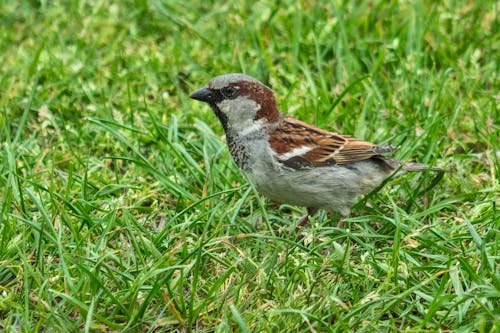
(204, 95)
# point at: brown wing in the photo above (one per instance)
(299, 145)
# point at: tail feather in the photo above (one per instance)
(419, 167)
(402, 168)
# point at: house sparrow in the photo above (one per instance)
(290, 161)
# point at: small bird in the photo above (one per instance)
(290, 161)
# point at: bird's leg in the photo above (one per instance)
(305, 219)
(302, 222)
(340, 223)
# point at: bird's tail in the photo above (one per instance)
(419, 167)
(403, 168)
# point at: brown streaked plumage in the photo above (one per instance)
(327, 148)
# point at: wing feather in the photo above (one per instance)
(317, 147)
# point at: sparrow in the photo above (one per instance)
(290, 161)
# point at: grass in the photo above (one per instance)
(121, 209)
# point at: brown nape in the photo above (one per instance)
(265, 96)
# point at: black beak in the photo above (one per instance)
(204, 95)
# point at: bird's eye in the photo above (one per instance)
(229, 92)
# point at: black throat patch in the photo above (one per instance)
(222, 117)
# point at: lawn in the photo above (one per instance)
(122, 210)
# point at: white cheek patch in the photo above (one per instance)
(295, 152)
(224, 106)
(241, 113)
